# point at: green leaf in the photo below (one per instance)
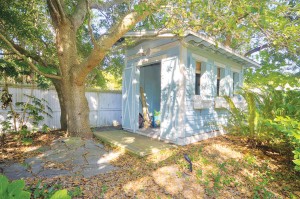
(297, 162)
(3, 184)
(15, 187)
(61, 194)
(24, 195)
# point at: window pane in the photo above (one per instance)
(197, 78)
(218, 80)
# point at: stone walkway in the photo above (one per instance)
(64, 157)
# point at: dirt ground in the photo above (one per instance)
(223, 167)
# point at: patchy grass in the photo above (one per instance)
(223, 167)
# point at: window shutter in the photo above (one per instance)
(241, 78)
(236, 81)
(205, 81)
(230, 79)
(213, 80)
(224, 89)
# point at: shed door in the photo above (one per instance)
(130, 99)
(170, 98)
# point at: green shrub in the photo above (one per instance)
(272, 119)
(291, 129)
(12, 190)
(15, 189)
(49, 192)
(25, 113)
(33, 111)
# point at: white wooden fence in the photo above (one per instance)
(105, 106)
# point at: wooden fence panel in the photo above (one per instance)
(105, 106)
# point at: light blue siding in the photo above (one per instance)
(170, 88)
(200, 121)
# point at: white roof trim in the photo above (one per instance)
(198, 38)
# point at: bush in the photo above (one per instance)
(25, 113)
(15, 189)
(272, 119)
(291, 129)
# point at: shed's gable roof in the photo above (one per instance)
(198, 40)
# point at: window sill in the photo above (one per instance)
(201, 103)
(221, 103)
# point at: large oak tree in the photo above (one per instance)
(48, 36)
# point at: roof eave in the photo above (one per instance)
(224, 50)
(198, 38)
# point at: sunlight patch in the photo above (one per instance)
(128, 140)
(110, 156)
(227, 152)
(160, 156)
(138, 184)
(167, 177)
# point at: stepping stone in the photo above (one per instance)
(59, 157)
(74, 142)
(16, 167)
(36, 168)
(56, 151)
(79, 151)
(53, 173)
(95, 169)
(16, 171)
(17, 175)
(34, 160)
(98, 153)
(90, 144)
(58, 144)
(93, 159)
(77, 169)
(79, 161)
(36, 164)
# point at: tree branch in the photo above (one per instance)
(28, 54)
(32, 66)
(105, 42)
(89, 22)
(7, 54)
(23, 51)
(79, 14)
(53, 13)
(61, 10)
(259, 48)
(104, 6)
(56, 11)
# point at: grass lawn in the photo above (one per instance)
(223, 167)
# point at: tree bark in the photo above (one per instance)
(63, 113)
(76, 109)
(74, 105)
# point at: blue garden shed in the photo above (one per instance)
(184, 80)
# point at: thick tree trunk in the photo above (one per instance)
(63, 114)
(76, 108)
(74, 105)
